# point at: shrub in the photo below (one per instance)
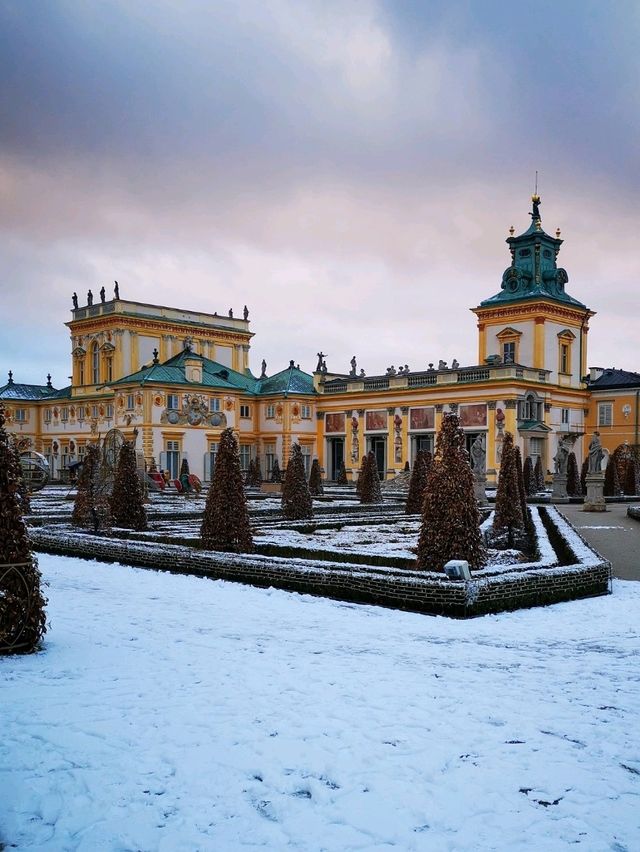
(225, 523)
(342, 476)
(91, 508)
(418, 483)
(611, 483)
(315, 479)
(22, 604)
(450, 519)
(539, 475)
(529, 477)
(276, 473)
(127, 498)
(370, 491)
(573, 477)
(508, 510)
(520, 477)
(296, 497)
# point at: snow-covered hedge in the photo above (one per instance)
(492, 589)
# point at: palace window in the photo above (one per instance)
(605, 414)
(270, 412)
(81, 372)
(172, 401)
(64, 414)
(81, 452)
(305, 412)
(509, 352)
(529, 408)
(565, 339)
(47, 415)
(95, 364)
(109, 369)
(81, 413)
(172, 454)
(21, 415)
(109, 412)
(131, 403)
(245, 412)
(245, 456)
(565, 415)
(214, 403)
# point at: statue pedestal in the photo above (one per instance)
(479, 488)
(594, 501)
(559, 492)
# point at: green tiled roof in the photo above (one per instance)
(215, 375)
(29, 393)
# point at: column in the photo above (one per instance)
(390, 439)
(538, 344)
(491, 438)
(406, 449)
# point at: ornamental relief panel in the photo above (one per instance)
(194, 411)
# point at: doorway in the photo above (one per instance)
(378, 446)
(335, 457)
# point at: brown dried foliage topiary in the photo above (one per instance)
(370, 491)
(315, 479)
(508, 510)
(127, 498)
(225, 523)
(296, 497)
(91, 509)
(450, 518)
(418, 483)
(22, 604)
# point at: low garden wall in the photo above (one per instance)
(571, 571)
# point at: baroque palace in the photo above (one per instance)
(175, 379)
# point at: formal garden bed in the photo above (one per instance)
(565, 568)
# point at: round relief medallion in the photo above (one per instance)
(173, 417)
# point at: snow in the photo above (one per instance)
(169, 712)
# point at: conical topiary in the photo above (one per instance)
(529, 477)
(450, 519)
(91, 508)
(22, 604)
(407, 466)
(630, 477)
(370, 491)
(520, 477)
(225, 523)
(276, 473)
(127, 498)
(508, 509)
(611, 483)
(573, 477)
(296, 497)
(342, 475)
(360, 478)
(539, 474)
(418, 483)
(257, 473)
(315, 479)
(584, 470)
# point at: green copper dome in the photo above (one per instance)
(534, 272)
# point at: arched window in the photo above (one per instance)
(95, 365)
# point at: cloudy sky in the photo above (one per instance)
(347, 169)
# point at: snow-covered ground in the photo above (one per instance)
(176, 713)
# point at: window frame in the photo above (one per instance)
(605, 406)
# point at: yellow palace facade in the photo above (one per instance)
(175, 379)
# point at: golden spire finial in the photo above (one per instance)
(512, 230)
(557, 233)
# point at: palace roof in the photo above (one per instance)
(215, 375)
(28, 393)
(613, 378)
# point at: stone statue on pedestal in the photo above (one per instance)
(479, 456)
(562, 455)
(596, 454)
